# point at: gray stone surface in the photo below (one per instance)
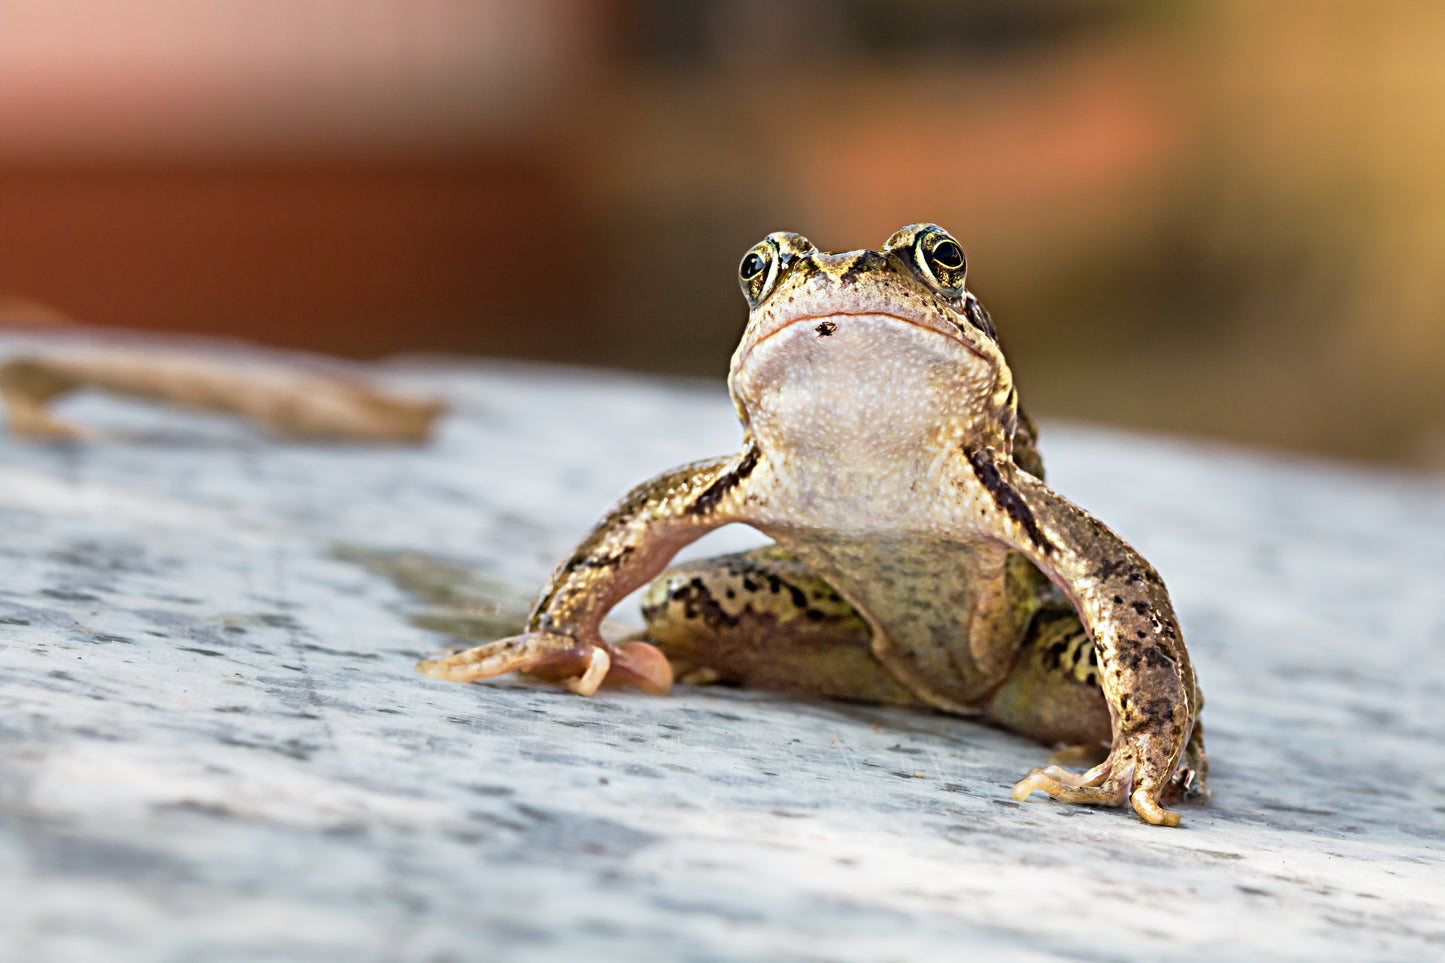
(213, 747)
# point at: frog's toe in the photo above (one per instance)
(1152, 786)
(1073, 787)
(580, 665)
(1067, 777)
(1149, 810)
(598, 665)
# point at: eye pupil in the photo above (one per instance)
(948, 255)
(752, 266)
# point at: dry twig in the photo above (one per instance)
(286, 398)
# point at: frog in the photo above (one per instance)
(917, 556)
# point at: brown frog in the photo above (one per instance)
(919, 557)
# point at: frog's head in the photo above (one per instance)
(883, 348)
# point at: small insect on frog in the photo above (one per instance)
(919, 558)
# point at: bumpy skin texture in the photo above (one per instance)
(919, 558)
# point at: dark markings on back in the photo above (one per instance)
(725, 483)
(1008, 499)
(698, 604)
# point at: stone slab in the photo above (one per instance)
(213, 747)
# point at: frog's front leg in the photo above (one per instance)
(624, 551)
(1144, 669)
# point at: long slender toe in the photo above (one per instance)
(1112, 792)
(1034, 780)
(1151, 812)
(1068, 777)
(478, 662)
(598, 662)
(552, 657)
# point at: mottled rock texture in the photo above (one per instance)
(213, 746)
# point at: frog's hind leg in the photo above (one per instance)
(762, 619)
(1053, 693)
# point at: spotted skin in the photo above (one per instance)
(761, 619)
(919, 556)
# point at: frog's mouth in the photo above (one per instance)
(827, 324)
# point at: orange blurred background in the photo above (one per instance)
(1224, 218)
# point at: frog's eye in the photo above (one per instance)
(941, 260)
(758, 272)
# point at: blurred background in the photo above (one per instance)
(1221, 218)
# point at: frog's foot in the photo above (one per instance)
(1128, 774)
(580, 666)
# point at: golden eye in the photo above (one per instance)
(758, 271)
(941, 260)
